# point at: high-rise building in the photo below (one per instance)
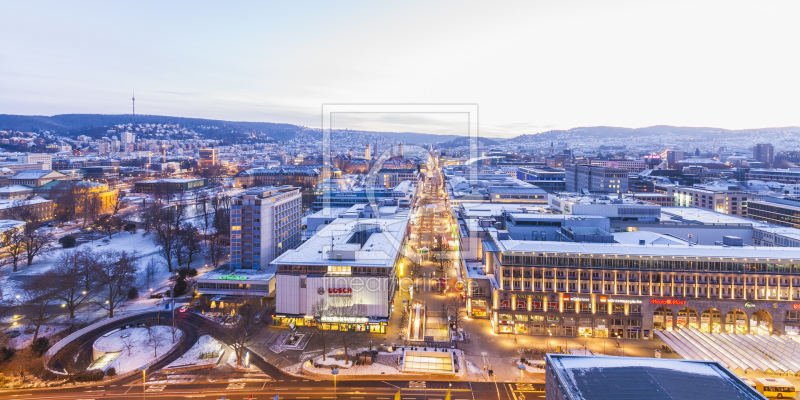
(208, 157)
(128, 141)
(367, 153)
(265, 223)
(673, 156)
(765, 153)
(103, 147)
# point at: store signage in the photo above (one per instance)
(749, 305)
(581, 299)
(776, 305)
(669, 302)
(340, 291)
(233, 278)
(625, 301)
(796, 306)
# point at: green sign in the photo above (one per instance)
(233, 278)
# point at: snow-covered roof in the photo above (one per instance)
(593, 377)
(653, 250)
(15, 189)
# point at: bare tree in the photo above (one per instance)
(190, 243)
(127, 342)
(38, 241)
(238, 330)
(14, 246)
(343, 309)
(203, 209)
(154, 339)
(216, 250)
(150, 272)
(116, 271)
(320, 310)
(456, 313)
(68, 283)
(167, 239)
(119, 203)
(37, 296)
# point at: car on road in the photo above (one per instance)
(183, 309)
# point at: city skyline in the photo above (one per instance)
(530, 67)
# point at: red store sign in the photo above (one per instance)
(668, 302)
(340, 291)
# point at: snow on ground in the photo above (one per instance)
(205, 345)
(24, 339)
(142, 351)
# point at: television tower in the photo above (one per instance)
(133, 103)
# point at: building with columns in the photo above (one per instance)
(627, 290)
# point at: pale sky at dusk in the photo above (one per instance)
(531, 66)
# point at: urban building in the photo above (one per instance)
(584, 377)
(169, 185)
(15, 192)
(299, 176)
(673, 156)
(621, 208)
(345, 277)
(784, 211)
(661, 199)
(634, 166)
(597, 179)
(549, 179)
(36, 158)
(626, 290)
(37, 178)
(725, 198)
(208, 158)
(780, 175)
(404, 193)
(764, 153)
(391, 177)
(37, 208)
(265, 223)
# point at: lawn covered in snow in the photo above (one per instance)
(142, 351)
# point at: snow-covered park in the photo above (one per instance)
(129, 349)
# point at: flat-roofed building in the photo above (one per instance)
(626, 290)
(265, 223)
(345, 276)
(593, 178)
(581, 377)
(208, 158)
(169, 185)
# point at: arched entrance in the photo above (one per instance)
(761, 323)
(662, 318)
(736, 322)
(687, 316)
(711, 321)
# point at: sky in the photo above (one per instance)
(530, 66)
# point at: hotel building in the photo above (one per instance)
(265, 223)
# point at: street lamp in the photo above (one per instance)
(334, 372)
(144, 372)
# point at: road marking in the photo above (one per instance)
(236, 386)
